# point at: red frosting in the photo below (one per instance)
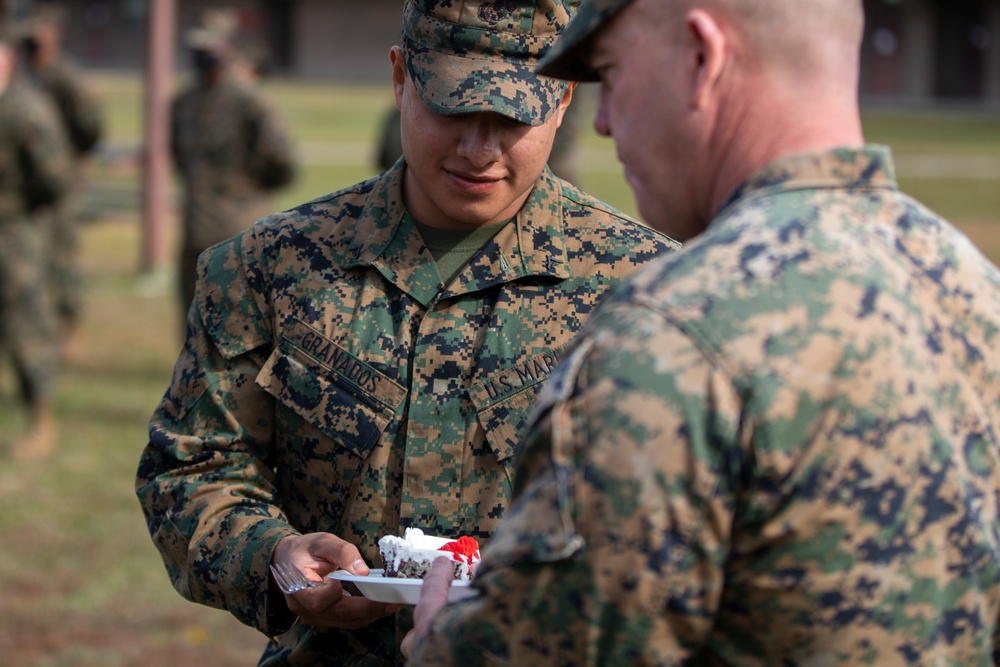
(465, 548)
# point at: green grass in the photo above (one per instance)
(940, 133)
(81, 583)
(965, 147)
(337, 127)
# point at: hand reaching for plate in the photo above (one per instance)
(433, 596)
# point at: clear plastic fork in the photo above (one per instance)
(290, 579)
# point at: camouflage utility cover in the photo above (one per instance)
(778, 447)
(231, 150)
(331, 383)
(468, 56)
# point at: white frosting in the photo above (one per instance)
(413, 546)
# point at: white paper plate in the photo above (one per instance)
(398, 590)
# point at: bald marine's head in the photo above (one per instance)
(699, 94)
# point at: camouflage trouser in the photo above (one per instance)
(27, 319)
(63, 257)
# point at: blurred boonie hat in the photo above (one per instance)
(468, 56)
(566, 60)
(201, 39)
(214, 31)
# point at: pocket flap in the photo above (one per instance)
(504, 400)
(338, 408)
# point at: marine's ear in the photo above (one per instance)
(398, 74)
(564, 103)
(709, 50)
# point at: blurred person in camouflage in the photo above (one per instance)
(779, 446)
(34, 174)
(365, 362)
(81, 115)
(229, 145)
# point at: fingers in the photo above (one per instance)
(328, 605)
(346, 556)
(437, 582)
(321, 553)
(433, 596)
(346, 612)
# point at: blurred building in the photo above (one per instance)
(918, 50)
(915, 51)
(320, 39)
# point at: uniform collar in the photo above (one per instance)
(535, 245)
(868, 167)
(539, 247)
(379, 220)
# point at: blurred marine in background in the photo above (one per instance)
(34, 176)
(230, 147)
(81, 116)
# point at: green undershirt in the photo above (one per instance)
(454, 248)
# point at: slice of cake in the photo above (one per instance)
(412, 555)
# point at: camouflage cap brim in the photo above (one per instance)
(452, 84)
(568, 57)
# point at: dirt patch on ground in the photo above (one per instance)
(138, 640)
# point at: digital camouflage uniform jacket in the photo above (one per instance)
(330, 382)
(34, 172)
(78, 108)
(34, 154)
(231, 150)
(778, 447)
(83, 122)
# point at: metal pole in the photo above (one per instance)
(156, 175)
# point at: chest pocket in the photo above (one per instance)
(504, 402)
(339, 394)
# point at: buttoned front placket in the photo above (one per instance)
(479, 325)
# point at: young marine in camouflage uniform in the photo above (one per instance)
(230, 147)
(34, 173)
(81, 115)
(779, 446)
(366, 362)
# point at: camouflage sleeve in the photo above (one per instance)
(206, 479)
(272, 156)
(80, 108)
(86, 120)
(613, 549)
